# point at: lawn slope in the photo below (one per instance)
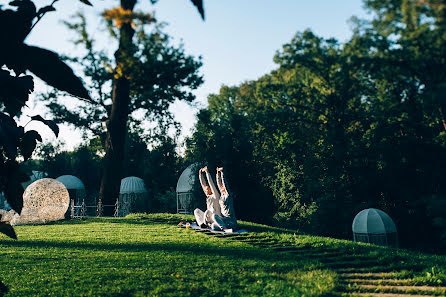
(149, 255)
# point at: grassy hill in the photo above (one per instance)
(149, 255)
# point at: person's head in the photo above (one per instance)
(208, 190)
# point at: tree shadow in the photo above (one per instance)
(232, 253)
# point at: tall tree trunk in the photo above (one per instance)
(117, 126)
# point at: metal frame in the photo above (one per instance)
(181, 208)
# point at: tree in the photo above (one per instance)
(160, 72)
(402, 49)
(15, 88)
(114, 144)
(337, 128)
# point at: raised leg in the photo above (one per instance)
(208, 217)
(199, 216)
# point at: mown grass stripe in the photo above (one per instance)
(370, 294)
(368, 275)
(395, 282)
(437, 291)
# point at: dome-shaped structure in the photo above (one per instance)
(75, 188)
(3, 203)
(185, 186)
(132, 196)
(44, 200)
(35, 175)
(374, 226)
(71, 182)
(187, 179)
(132, 184)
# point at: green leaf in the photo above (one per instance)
(28, 143)
(86, 2)
(199, 5)
(48, 66)
(14, 190)
(51, 124)
(7, 229)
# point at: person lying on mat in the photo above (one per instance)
(227, 218)
(212, 201)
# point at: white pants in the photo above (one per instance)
(221, 223)
(204, 218)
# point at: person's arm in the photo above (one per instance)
(222, 180)
(202, 182)
(211, 183)
(219, 180)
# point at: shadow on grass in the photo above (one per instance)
(170, 219)
(197, 249)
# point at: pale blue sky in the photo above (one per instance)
(237, 40)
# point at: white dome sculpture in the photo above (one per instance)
(374, 226)
(35, 175)
(132, 196)
(44, 200)
(185, 186)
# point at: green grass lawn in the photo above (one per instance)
(148, 255)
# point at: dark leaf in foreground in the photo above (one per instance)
(48, 66)
(3, 289)
(46, 9)
(28, 143)
(199, 5)
(9, 135)
(7, 230)
(86, 2)
(51, 124)
(14, 189)
(15, 91)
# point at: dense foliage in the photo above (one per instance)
(337, 128)
(160, 74)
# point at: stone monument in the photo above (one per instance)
(45, 200)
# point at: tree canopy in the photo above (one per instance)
(160, 74)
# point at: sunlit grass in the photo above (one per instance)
(149, 255)
(142, 257)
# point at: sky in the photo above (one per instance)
(237, 41)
